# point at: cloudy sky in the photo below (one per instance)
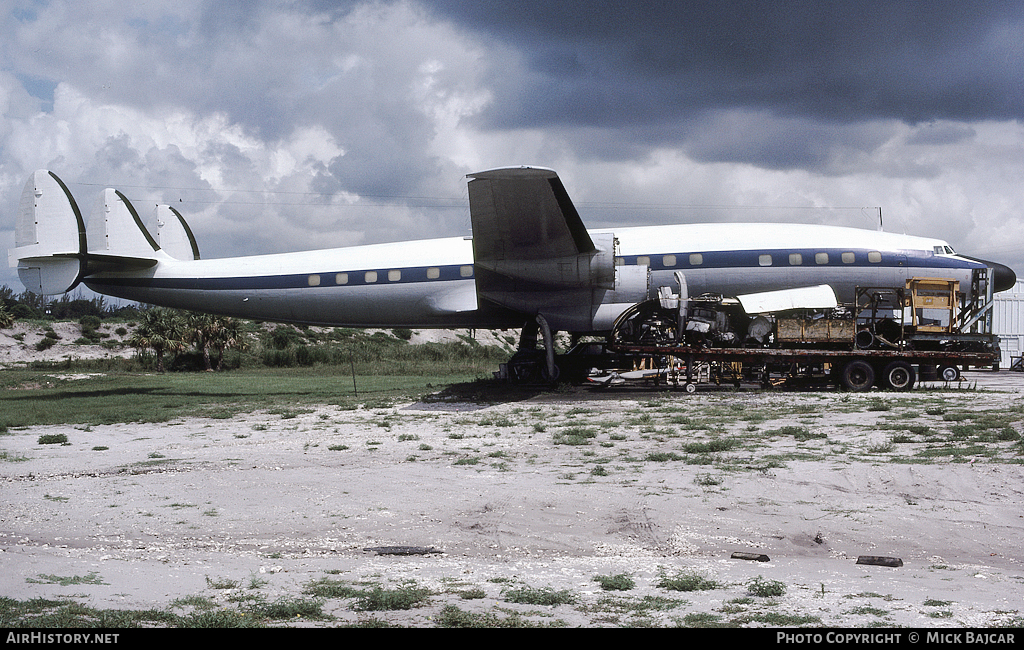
(281, 126)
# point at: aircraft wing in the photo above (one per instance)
(524, 213)
(531, 251)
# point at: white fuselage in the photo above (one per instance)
(430, 283)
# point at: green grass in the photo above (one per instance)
(130, 397)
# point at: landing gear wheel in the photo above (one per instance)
(899, 375)
(857, 376)
(949, 373)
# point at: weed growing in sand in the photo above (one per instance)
(222, 583)
(201, 603)
(41, 612)
(703, 619)
(53, 439)
(798, 433)
(707, 480)
(574, 436)
(868, 610)
(663, 456)
(764, 588)
(542, 596)
(327, 588)
(712, 446)
(453, 617)
(620, 582)
(775, 619)
(11, 458)
(881, 447)
(288, 608)
(49, 579)
(945, 613)
(687, 582)
(404, 597)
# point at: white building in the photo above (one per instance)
(1008, 323)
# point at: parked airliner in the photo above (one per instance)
(530, 256)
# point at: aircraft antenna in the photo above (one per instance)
(880, 219)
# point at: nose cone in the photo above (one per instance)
(1003, 277)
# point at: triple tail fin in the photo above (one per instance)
(55, 250)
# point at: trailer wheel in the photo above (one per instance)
(949, 373)
(857, 376)
(899, 375)
(691, 387)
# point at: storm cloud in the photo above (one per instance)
(277, 127)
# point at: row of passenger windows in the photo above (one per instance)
(695, 259)
(394, 275)
(795, 259)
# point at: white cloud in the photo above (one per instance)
(278, 128)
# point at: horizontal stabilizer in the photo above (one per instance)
(173, 234)
(49, 238)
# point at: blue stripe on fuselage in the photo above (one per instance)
(781, 258)
(417, 274)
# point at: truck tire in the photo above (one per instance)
(949, 373)
(857, 376)
(899, 375)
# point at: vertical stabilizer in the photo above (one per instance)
(174, 235)
(49, 238)
(116, 229)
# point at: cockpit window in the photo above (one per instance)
(943, 250)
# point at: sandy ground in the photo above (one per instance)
(150, 513)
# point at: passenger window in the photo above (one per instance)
(314, 280)
(371, 276)
(341, 278)
(696, 259)
(765, 260)
(796, 259)
(433, 273)
(821, 258)
(874, 257)
(669, 260)
(466, 271)
(643, 260)
(848, 258)
(394, 276)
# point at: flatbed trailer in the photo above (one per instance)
(885, 338)
(855, 370)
